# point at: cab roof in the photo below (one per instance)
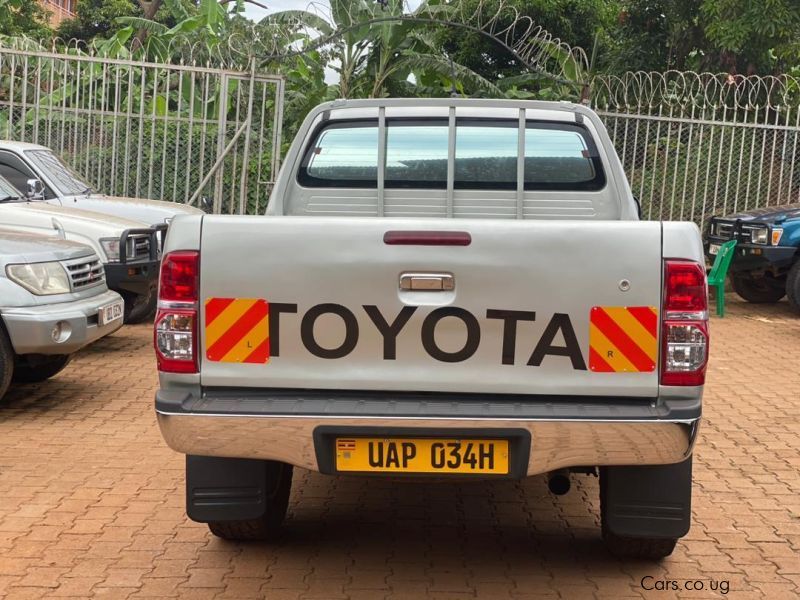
(440, 107)
(20, 146)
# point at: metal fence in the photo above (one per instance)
(692, 144)
(177, 132)
(698, 144)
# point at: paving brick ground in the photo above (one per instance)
(91, 501)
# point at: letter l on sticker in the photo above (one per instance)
(237, 330)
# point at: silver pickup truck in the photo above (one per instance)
(53, 302)
(454, 288)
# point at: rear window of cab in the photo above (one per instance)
(558, 156)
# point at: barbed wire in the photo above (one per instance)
(648, 91)
(176, 51)
(530, 44)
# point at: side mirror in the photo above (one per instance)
(638, 207)
(207, 204)
(35, 189)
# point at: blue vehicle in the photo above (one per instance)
(766, 266)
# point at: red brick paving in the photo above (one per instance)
(92, 505)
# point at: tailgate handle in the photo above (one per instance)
(427, 282)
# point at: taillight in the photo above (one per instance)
(175, 335)
(684, 335)
(180, 276)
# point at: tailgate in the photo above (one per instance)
(529, 307)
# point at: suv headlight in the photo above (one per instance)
(759, 235)
(42, 279)
(111, 248)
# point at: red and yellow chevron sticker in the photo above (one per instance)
(237, 330)
(623, 339)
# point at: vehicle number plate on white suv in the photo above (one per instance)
(110, 312)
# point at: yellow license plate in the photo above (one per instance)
(403, 455)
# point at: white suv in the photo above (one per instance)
(25, 164)
(53, 301)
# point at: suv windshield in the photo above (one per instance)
(64, 179)
(7, 190)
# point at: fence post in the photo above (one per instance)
(222, 105)
(246, 158)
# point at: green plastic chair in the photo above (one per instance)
(719, 270)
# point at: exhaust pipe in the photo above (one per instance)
(558, 482)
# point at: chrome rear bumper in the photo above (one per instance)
(554, 444)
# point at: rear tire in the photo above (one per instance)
(762, 290)
(793, 286)
(6, 362)
(38, 369)
(279, 484)
(138, 308)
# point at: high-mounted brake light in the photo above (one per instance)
(684, 338)
(175, 335)
(427, 238)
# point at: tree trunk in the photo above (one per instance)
(149, 10)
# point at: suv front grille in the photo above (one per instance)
(724, 230)
(85, 272)
(138, 247)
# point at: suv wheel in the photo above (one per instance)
(139, 308)
(6, 362)
(39, 368)
(761, 290)
(793, 286)
(279, 484)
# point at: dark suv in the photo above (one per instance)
(766, 265)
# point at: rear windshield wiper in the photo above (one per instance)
(9, 198)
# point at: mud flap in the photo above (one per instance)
(228, 489)
(647, 501)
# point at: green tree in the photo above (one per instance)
(23, 17)
(741, 36)
(753, 35)
(101, 18)
(203, 27)
(374, 56)
(96, 18)
(581, 23)
(655, 35)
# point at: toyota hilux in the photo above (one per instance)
(456, 288)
